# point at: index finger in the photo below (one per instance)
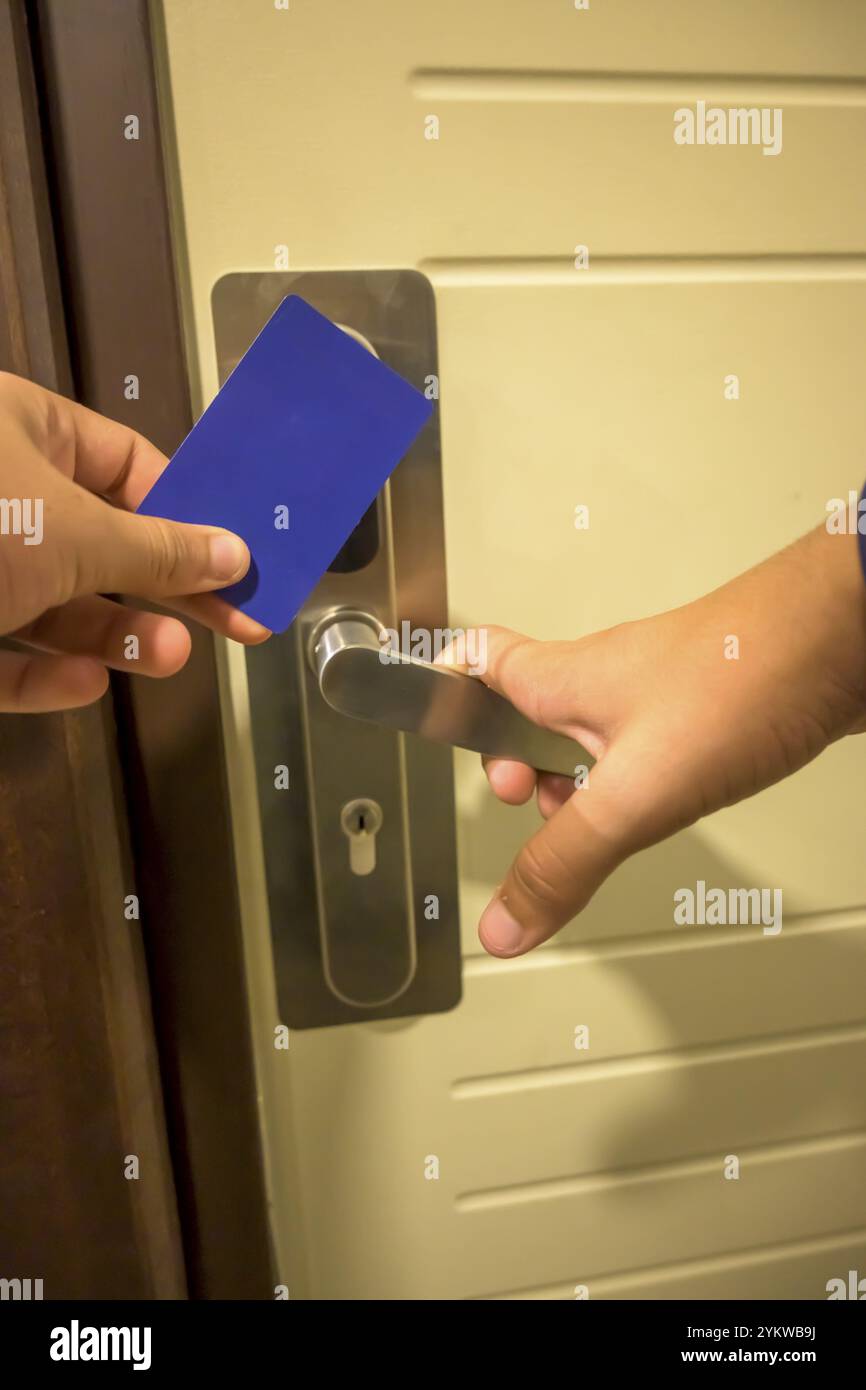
(113, 460)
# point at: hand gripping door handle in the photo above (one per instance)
(437, 702)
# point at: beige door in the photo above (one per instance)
(607, 1168)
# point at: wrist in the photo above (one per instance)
(837, 561)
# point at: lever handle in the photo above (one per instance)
(436, 702)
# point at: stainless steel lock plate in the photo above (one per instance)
(362, 904)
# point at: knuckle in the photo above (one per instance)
(60, 432)
(542, 875)
(165, 552)
(7, 594)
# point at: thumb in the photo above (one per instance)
(560, 868)
(152, 557)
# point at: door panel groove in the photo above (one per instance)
(710, 269)
(655, 944)
(537, 1078)
(635, 88)
(729, 1262)
(609, 1181)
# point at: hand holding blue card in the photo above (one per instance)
(290, 454)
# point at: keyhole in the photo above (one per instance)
(361, 821)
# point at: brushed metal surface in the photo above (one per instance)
(433, 701)
(351, 947)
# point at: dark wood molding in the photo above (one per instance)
(80, 1078)
(32, 328)
(117, 269)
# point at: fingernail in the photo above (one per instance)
(228, 554)
(498, 930)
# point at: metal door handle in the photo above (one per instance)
(437, 702)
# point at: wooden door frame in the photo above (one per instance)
(81, 1085)
(144, 770)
